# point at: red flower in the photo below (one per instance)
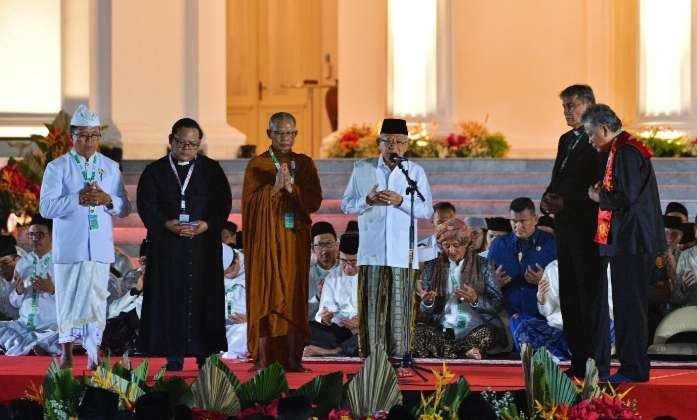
(342, 414)
(604, 407)
(270, 409)
(200, 414)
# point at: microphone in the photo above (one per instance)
(394, 157)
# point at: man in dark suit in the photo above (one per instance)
(580, 284)
(630, 233)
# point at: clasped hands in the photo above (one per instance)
(531, 275)
(594, 191)
(327, 317)
(552, 203)
(91, 195)
(284, 181)
(465, 293)
(39, 284)
(383, 198)
(187, 230)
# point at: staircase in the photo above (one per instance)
(477, 187)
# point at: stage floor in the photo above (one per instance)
(672, 389)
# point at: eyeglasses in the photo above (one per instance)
(86, 137)
(36, 235)
(392, 141)
(324, 245)
(277, 133)
(349, 262)
(186, 144)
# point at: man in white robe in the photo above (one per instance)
(325, 258)
(377, 192)
(35, 330)
(235, 304)
(81, 191)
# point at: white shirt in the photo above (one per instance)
(73, 240)
(6, 308)
(340, 296)
(428, 249)
(317, 274)
(551, 309)
(39, 308)
(235, 292)
(384, 230)
(451, 311)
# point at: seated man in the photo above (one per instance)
(478, 233)
(495, 227)
(228, 234)
(325, 253)
(663, 274)
(333, 332)
(685, 289)
(36, 330)
(428, 248)
(679, 210)
(235, 304)
(8, 260)
(462, 302)
(123, 308)
(517, 261)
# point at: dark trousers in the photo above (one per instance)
(583, 295)
(333, 336)
(630, 278)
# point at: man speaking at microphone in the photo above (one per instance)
(377, 192)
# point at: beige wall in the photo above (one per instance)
(510, 60)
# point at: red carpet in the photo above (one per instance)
(671, 391)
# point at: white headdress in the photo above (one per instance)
(83, 117)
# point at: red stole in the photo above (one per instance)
(602, 234)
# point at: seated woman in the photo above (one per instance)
(459, 303)
(235, 304)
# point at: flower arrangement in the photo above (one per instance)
(472, 139)
(20, 179)
(664, 141)
(552, 396)
(445, 402)
(355, 141)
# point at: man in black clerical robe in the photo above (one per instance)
(575, 216)
(183, 295)
(630, 233)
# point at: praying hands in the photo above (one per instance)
(92, 195)
(284, 181)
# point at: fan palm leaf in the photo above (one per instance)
(213, 391)
(265, 386)
(375, 386)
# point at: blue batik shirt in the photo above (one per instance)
(519, 296)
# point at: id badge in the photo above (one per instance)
(94, 221)
(461, 321)
(184, 218)
(289, 220)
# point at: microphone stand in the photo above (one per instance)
(407, 361)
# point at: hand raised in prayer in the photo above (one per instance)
(373, 197)
(534, 275)
(43, 285)
(351, 324)
(19, 284)
(688, 280)
(552, 203)
(452, 230)
(92, 195)
(428, 296)
(594, 192)
(467, 293)
(542, 290)
(237, 318)
(502, 277)
(287, 179)
(326, 316)
(390, 198)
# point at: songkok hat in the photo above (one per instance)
(38, 219)
(475, 223)
(7, 245)
(320, 228)
(228, 256)
(673, 222)
(348, 244)
(83, 117)
(498, 224)
(546, 221)
(675, 207)
(394, 126)
(351, 226)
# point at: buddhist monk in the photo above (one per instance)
(281, 189)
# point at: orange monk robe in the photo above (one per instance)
(277, 260)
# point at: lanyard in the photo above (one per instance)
(277, 164)
(83, 167)
(570, 150)
(183, 187)
(31, 322)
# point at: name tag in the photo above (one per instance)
(184, 218)
(94, 221)
(289, 220)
